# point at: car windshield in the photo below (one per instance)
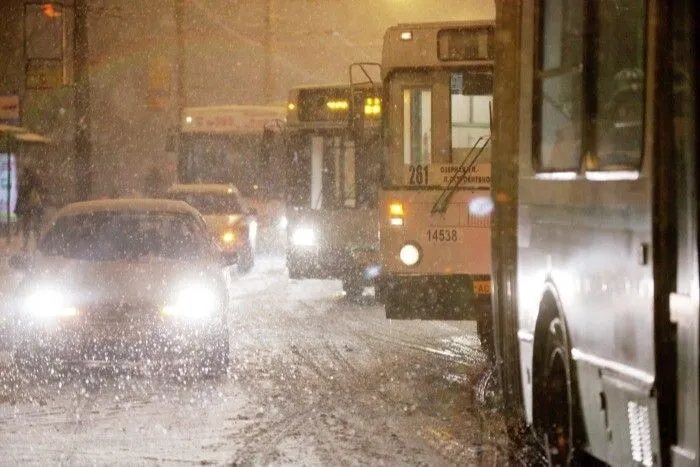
(114, 236)
(210, 203)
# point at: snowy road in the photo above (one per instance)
(314, 380)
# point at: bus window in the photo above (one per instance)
(470, 112)
(560, 92)
(619, 87)
(417, 104)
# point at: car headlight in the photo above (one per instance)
(48, 304)
(304, 236)
(229, 236)
(197, 301)
(282, 223)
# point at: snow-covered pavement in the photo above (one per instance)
(314, 380)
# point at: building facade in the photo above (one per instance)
(144, 60)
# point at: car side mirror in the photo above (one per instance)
(19, 262)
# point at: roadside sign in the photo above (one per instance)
(8, 184)
(44, 74)
(9, 109)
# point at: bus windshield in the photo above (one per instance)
(442, 116)
(229, 158)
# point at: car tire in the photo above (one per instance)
(246, 262)
(217, 361)
(294, 269)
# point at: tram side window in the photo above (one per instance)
(417, 125)
(560, 91)
(619, 86)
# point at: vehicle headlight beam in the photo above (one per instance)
(195, 301)
(47, 304)
(304, 236)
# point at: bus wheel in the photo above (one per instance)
(379, 291)
(484, 330)
(352, 288)
(556, 398)
(394, 300)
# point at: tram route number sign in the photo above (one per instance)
(443, 175)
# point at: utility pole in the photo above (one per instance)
(181, 99)
(180, 58)
(83, 157)
(268, 81)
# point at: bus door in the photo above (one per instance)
(332, 173)
(321, 172)
(684, 301)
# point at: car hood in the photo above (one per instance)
(220, 222)
(148, 279)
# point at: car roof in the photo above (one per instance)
(128, 205)
(217, 188)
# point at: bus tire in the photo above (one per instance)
(484, 330)
(555, 423)
(352, 288)
(379, 291)
(394, 301)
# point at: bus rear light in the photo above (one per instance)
(396, 214)
(396, 210)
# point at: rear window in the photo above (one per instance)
(211, 203)
(109, 236)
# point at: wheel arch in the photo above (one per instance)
(551, 307)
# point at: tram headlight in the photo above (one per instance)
(410, 254)
(304, 236)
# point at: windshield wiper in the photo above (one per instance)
(460, 174)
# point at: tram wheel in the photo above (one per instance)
(556, 423)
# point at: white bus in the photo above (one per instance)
(223, 144)
(595, 231)
(434, 218)
(333, 175)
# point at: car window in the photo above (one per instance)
(125, 236)
(211, 203)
